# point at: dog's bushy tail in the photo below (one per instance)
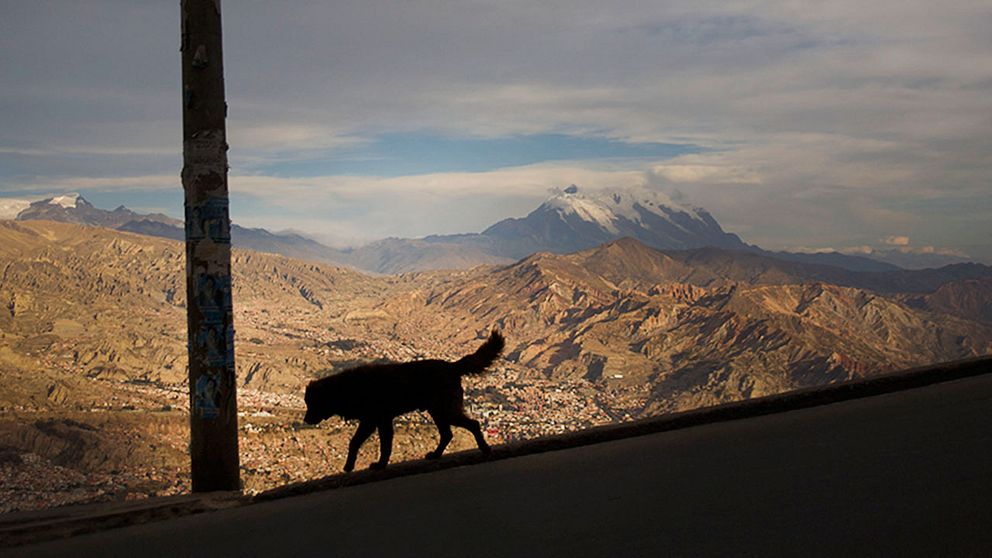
(477, 362)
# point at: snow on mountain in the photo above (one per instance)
(574, 220)
(585, 209)
(73, 208)
(606, 207)
(570, 221)
(68, 201)
(10, 208)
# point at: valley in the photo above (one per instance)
(93, 396)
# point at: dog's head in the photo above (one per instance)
(313, 416)
(320, 400)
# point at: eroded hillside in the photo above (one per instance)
(92, 345)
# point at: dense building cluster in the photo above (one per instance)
(276, 448)
(276, 359)
(31, 481)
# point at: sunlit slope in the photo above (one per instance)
(699, 330)
(109, 304)
(694, 327)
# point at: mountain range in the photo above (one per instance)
(620, 313)
(569, 221)
(93, 344)
(73, 208)
(572, 220)
(93, 392)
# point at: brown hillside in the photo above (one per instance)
(92, 331)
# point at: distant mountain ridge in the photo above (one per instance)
(73, 208)
(571, 220)
(291, 244)
(913, 258)
(750, 267)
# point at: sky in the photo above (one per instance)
(798, 125)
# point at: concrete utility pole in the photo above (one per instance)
(213, 403)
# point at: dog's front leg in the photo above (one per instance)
(365, 429)
(385, 444)
(444, 430)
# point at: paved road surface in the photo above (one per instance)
(904, 474)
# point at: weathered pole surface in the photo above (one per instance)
(213, 402)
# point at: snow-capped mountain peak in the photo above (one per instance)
(67, 201)
(592, 210)
(10, 208)
(573, 219)
(607, 207)
(73, 208)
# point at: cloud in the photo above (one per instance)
(943, 251)
(61, 151)
(824, 124)
(896, 240)
(706, 169)
(910, 257)
(371, 207)
(98, 184)
(285, 140)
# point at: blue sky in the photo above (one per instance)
(797, 125)
(403, 154)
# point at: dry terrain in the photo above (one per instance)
(92, 347)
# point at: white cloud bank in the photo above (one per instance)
(896, 240)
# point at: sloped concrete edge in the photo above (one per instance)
(790, 401)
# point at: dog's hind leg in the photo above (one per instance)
(444, 429)
(385, 444)
(472, 426)
(365, 429)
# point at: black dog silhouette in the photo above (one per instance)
(376, 394)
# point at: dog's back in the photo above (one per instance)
(391, 390)
(380, 390)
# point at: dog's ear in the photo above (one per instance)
(496, 335)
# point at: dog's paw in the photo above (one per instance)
(377, 466)
(485, 449)
(432, 455)
(349, 467)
